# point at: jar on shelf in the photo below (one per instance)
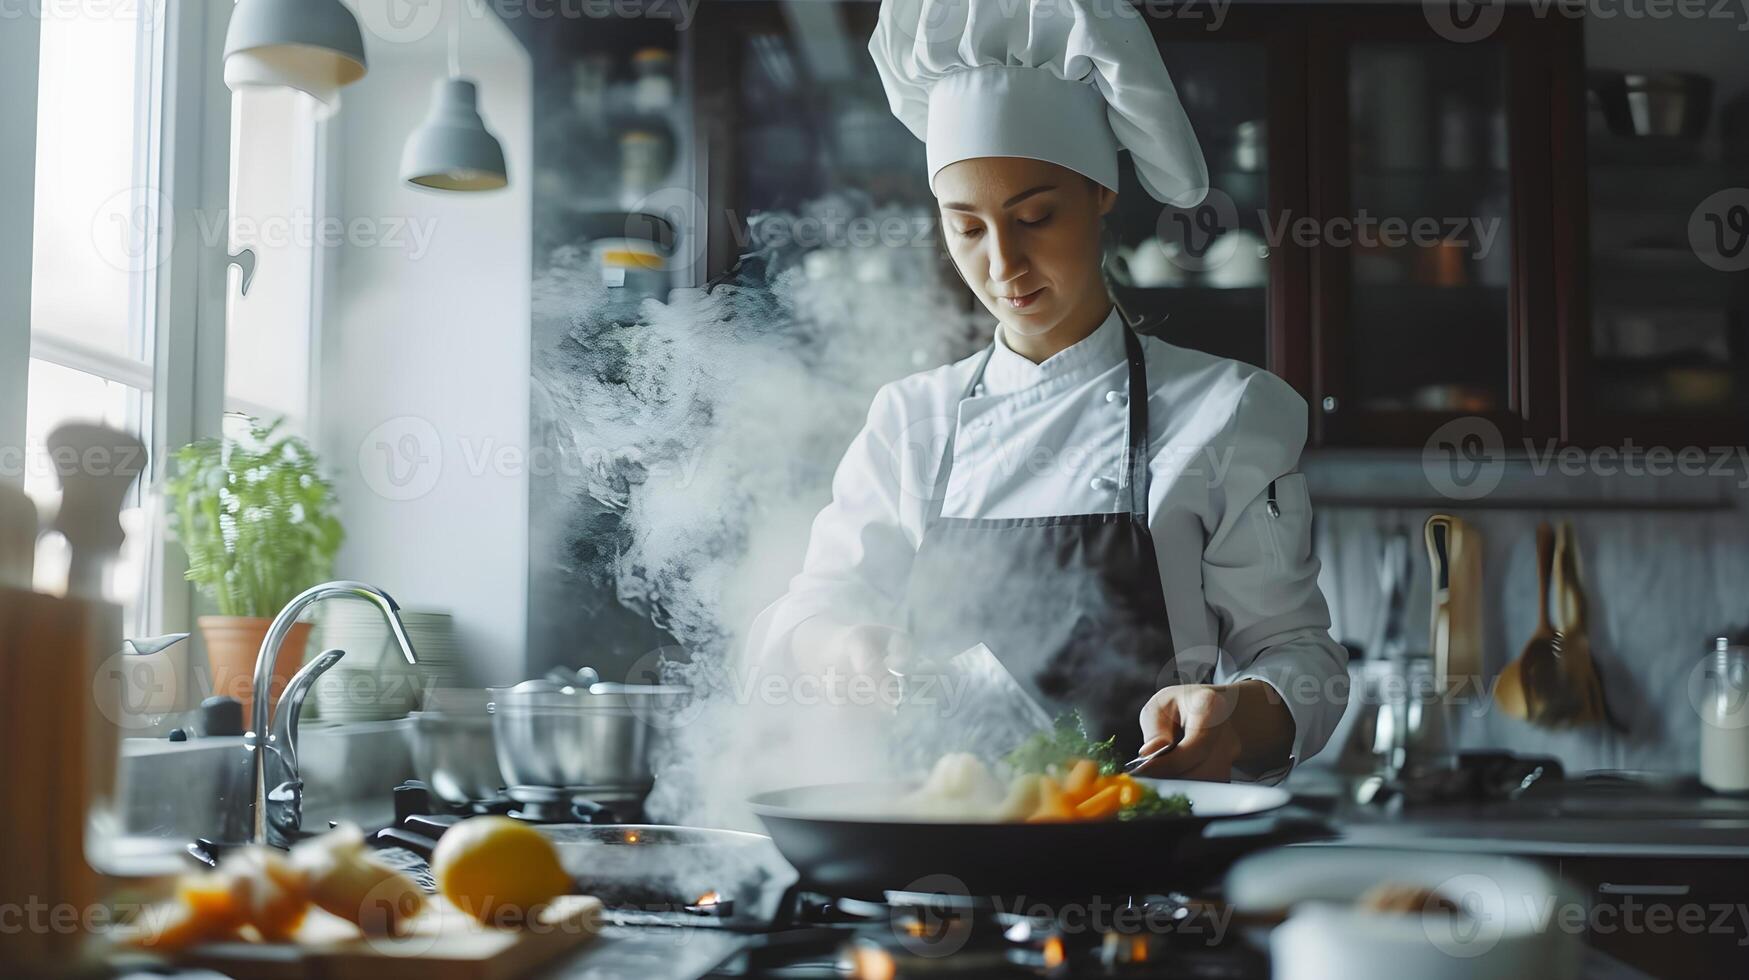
(643, 165)
(638, 268)
(654, 89)
(1724, 719)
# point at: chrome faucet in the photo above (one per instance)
(276, 789)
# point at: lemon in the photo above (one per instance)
(497, 869)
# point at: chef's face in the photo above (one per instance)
(1025, 235)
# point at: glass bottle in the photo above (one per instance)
(1724, 719)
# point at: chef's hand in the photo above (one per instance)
(1214, 728)
(820, 645)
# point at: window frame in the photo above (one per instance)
(186, 159)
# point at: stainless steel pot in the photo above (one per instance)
(566, 736)
(455, 755)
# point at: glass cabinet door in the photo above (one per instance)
(1667, 173)
(1200, 277)
(1430, 261)
(1429, 264)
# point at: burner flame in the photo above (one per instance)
(872, 963)
(1054, 952)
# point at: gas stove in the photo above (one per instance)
(917, 935)
(797, 933)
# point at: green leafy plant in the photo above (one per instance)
(255, 517)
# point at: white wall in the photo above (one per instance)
(18, 68)
(422, 396)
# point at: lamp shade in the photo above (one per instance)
(451, 150)
(314, 46)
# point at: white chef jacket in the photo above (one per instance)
(1034, 440)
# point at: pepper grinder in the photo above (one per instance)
(96, 466)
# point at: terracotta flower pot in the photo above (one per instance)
(232, 643)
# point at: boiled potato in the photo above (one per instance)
(277, 893)
(342, 879)
(171, 927)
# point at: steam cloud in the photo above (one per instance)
(712, 424)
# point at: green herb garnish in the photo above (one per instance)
(1054, 750)
(1152, 804)
(1066, 741)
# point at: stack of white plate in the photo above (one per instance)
(434, 642)
(372, 682)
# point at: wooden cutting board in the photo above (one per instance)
(442, 943)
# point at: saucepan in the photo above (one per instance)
(570, 735)
(842, 842)
(454, 754)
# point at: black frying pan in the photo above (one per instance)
(841, 845)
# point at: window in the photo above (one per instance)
(95, 242)
(104, 262)
(273, 213)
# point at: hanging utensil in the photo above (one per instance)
(1527, 682)
(1589, 705)
(1454, 553)
(1546, 692)
(1390, 638)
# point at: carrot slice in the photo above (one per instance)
(1102, 805)
(1051, 803)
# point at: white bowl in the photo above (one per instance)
(1510, 926)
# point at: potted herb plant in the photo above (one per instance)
(257, 521)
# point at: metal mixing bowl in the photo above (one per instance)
(455, 755)
(566, 737)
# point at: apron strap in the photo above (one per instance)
(1136, 441)
(1135, 433)
(938, 492)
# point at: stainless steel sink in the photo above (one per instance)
(201, 788)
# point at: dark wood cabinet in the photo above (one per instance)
(1542, 272)
(1447, 310)
(1411, 222)
(1408, 222)
(1674, 918)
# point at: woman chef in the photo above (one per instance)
(1115, 517)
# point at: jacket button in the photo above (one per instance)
(1117, 398)
(1103, 484)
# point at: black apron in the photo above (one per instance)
(1072, 605)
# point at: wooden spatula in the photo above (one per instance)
(1525, 683)
(1579, 668)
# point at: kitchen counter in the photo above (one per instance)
(1561, 819)
(671, 954)
(1636, 856)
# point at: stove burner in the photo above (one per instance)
(942, 935)
(578, 804)
(535, 804)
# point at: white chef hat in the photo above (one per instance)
(1066, 81)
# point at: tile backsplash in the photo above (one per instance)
(1665, 570)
